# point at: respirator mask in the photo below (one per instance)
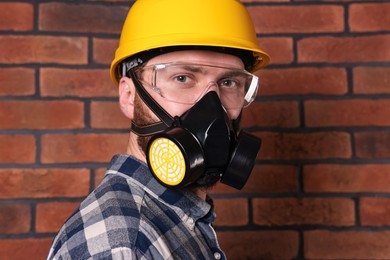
(203, 143)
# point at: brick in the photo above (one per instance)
(77, 82)
(51, 216)
(25, 249)
(370, 17)
(307, 18)
(273, 179)
(307, 211)
(99, 175)
(43, 49)
(231, 212)
(371, 80)
(77, 148)
(16, 16)
(300, 146)
(259, 244)
(108, 115)
(372, 145)
(17, 148)
(356, 112)
(104, 50)
(346, 178)
(279, 48)
(265, 179)
(273, 114)
(344, 49)
(17, 81)
(66, 17)
(374, 211)
(346, 244)
(303, 81)
(14, 218)
(22, 183)
(41, 114)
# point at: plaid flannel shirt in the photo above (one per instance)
(131, 216)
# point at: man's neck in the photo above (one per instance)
(134, 149)
(200, 192)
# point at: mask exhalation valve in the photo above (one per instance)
(242, 160)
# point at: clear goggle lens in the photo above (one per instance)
(186, 83)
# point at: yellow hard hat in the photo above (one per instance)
(152, 24)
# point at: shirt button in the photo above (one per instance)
(191, 221)
(217, 255)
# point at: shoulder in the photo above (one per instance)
(107, 219)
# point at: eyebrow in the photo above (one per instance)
(192, 68)
(233, 73)
(199, 69)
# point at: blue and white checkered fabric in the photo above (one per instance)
(131, 216)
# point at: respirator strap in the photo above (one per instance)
(167, 120)
(151, 129)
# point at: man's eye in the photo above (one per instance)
(228, 83)
(181, 78)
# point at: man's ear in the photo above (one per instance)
(126, 97)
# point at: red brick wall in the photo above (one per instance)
(321, 187)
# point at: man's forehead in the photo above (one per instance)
(205, 57)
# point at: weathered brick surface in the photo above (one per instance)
(309, 211)
(280, 49)
(272, 178)
(99, 175)
(16, 16)
(231, 212)
(41, 114)
(24, 249)
(108, 115)
(43, 49)
(273, 114)
(356, 112)
(259, 244)
(303, 81)
(17, 82)
(371, 80)
(22, 183)
(266, 179)
(323, 145)
(375, 211)
(78, 148)
(76, 83)
(323, 244)
(104, 50)
(307, 19)
(320, 186)
(51, 216)
(331, 49)
(369, 17)
(17, 148)
(15, 218)
(76, 17)
(373, 145)
(346, 178)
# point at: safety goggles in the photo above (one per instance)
(186, 83)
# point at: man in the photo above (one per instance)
(182, 70)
